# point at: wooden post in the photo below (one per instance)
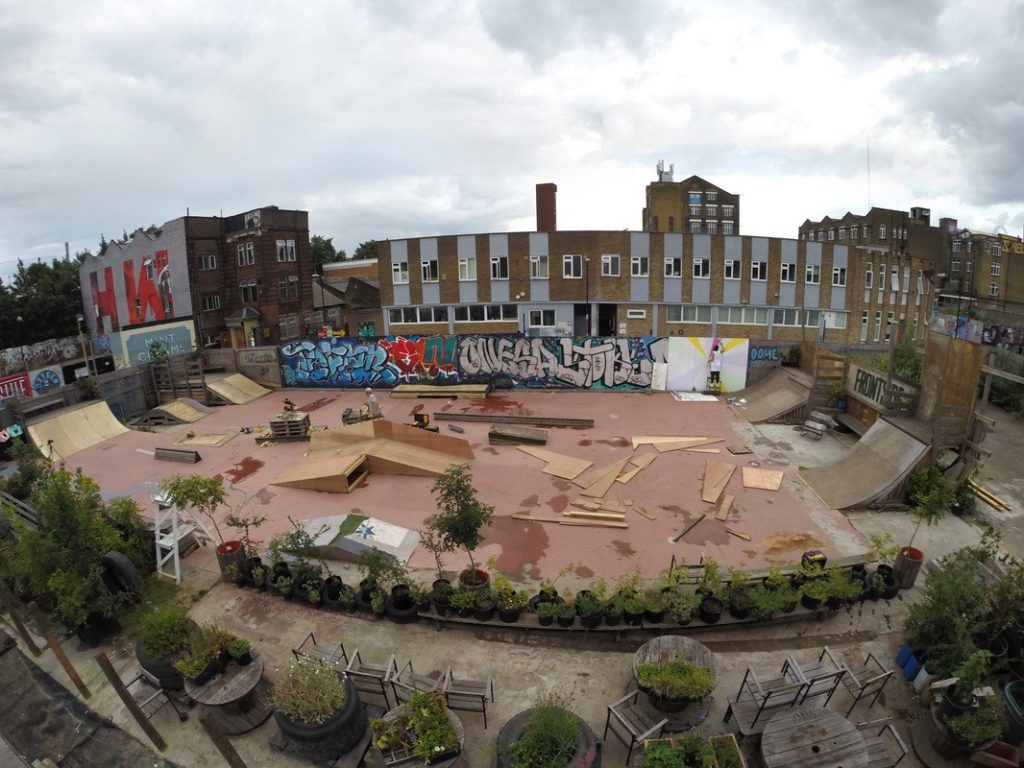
(220, 741)
(9, 603)
(58, 651)
(126, 697)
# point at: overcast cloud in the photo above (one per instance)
(396, 119)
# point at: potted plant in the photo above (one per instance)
(837, 395)
(613, 609)
(259, 577)
(283, 585)
(548, 735)
(460, 518)
(766, 603)
(565, 613)
(708, 587)
(420, 596)
(546, 613)
(462, 602)
(727, 750)
(509, 600)
(814, 593)
(240, 651)
(380, 571)
(932, 494)
(979, 727)
(679, 607)
(673, 685)
(970, 675)
(548, 590)
(680, 752)
(204, 495)
(441, 596)
(164, 639)
(318, 711)
(484, 605)
(589, 607)
(422, 728)
(738, 593)
(654, 606)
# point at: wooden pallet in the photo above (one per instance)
(289, 426)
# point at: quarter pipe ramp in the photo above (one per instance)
(236, 389)
(71, 430)
(870, 471)
(184, 410)
(781, 392)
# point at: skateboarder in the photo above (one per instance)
(372, 406)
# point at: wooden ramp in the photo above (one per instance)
(236, 389)
(459, 391)
(184, 410)
(69, 431)
(328, 470)
(389, 430)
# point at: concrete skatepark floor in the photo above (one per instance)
(596, 673)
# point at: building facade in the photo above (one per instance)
(600, 283)
(234, 281)
(694, 206)
(346, 299)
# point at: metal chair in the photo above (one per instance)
(327, 655)
(150, 697)
(406, 681)
(467, 695)
(631, 724)
(758, 697)
(820, 679)
(882, 752)
(369, 677)
(868, 679)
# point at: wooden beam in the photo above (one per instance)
(129, 701)
(563, 521)
(737, 534)
(595, 515)
(688, 528)
(645, 513)
(221, 742)
(725, 507)
(51, 640)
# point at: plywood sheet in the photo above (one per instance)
(237, 389)
(702, 450)
(764, 479)
(390, 430)
(558, 464)
(643, 459)
(604, 484)
(691, 442)
(724, 507)
(639, 440)
(326, 470)
(716, 477)
(563, 521)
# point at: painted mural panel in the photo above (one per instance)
(550, 362)
(689, 363)
(133, 347)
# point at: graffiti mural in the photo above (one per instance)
(548, 362)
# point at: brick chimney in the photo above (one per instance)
(547, 218)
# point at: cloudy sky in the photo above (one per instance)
(394, 119)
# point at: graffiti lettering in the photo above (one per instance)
(46, 379)
(764, 354)
(256, 357)
(15, 386)
(870, 386)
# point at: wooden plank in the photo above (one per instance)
(562, 521)
(512, 435)
(725, 507)
(628, 475)
(591, 476)
(594, 515)
(639, 440)
(602, 486)
(558, 464)
(643, 460)
(738, 449)
(763, 479)
(497, 418)
(645, 513)
(737, 534)
(702, 450)
(690, 442)
(593, 506)
(616, 506)
(716, 476)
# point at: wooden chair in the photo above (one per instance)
(820, 678)
(882, 752)
(369, 677)
(467, 695)
(631, 724)
(406, 681)
(759, 697)
(327, 655)
(150, 697)
(867, 679)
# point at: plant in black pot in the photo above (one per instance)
(246, 524)
(654, 606)
(546, 613)
(980, 726)
(510, 601)
(240, 651)
(589, 607)
(708, 588)
(462, 602)
(565, 612)
(441, 596)
(164, 639)
(813, 594)
(680, 606)
(738, 593)
(460, 518)
(970, 674)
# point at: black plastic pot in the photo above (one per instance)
(632, 619)
(654, 617)
(400, 615)
(811, 603)
(509, 615)
(332, 587)
(612, 617)
(244, 660)
(591, 620)
(891, 587)
(710, 609)
(545, 621)
(162, 669)
(401, 597)
(566, 621)
(484, 610)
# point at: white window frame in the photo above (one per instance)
(207, 261)
(890, 321)
(759, 271)
(728, 211)
(954, 265)
(839, 277)
(733, 269)
(572, 266)
(499, 267)
(728, 227)
(906, 279)
(701, 268)
(878, 325)
(993, 289)
(535, 318)
(399, 273)
(694, 226)
(285, 250)
(995, 269)
(854, 231)
(248, 288)
(610, 265)
(787, 272)
(467, 268)
(712, 226)
(881, 231)
(636, 314)
(539, 267)
(864, 319)
(695, 210)
(831, 233)
(786, 317)
(639, 266)
(969, 266)
(673, 266)
(429, 271)
(694, 198)
(211, 302)
(812, 274)
(869, 276)
(488, 313)
(711, 209)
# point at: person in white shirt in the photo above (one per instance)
(716, 364)
(372, 405)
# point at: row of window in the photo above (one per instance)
(247, 254)
(478, 313)
(894, 278)
(710, 195)
(711, 209)
(639, 266)
(994, 249)
(898, 233)
(699, 226)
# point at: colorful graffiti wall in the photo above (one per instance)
(550, 362)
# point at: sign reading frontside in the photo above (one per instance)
(869, 386)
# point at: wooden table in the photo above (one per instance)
(238, 698)
(684, 714)
(812, 737)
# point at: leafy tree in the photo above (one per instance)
(460, 514)
(322, 251)
(203, 494)
(46, 297)
(367, 250)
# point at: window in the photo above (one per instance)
(636, 314)
(695, 210)
(732, 269)
(838, 320)
(539, 267)
(687, 314)
(743, 315)
(788, 272)
(812, 317)
(920, 282)
(610, 264)
(246, 254)
(993, 289)
(639, 266)
(906, 279)
(728, 228)
(671, 223)
(701, 267)
(249, 290)
(894, 278)
(541, 318)
(428, 270)
(694, 226)
(711, 210)
(467, 268)
(864, 326)
(673, 266)
(842, 233)
(956, 246)
(695, 198)
(785, 317)
(881, 231)
(831, 234)
(148, 266)
(995, 268)
(288, 325)
(710, 196)
(211, 301)
(954, 265)
(996, 249)
(399, 273)
(286, 250)
(878, 325)
(572, 267)
(207, 261)
(853, 232)
(414, 315)
(727, 211)
(889, 321)
(839, 276)
(288, 287)
(486, 313)
(759, 270)
(969, 266)
(712, 226)
(499, 267)
(812, 275)
(869, 277)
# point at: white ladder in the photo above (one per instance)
(172, 525)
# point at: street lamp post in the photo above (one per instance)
(586, 279)
(81, 342)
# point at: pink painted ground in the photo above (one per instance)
(781, 524)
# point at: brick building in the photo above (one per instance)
(346, 298)
(692, 205)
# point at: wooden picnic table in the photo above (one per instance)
(238, 698)
(812, 737)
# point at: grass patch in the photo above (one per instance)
(158, 593)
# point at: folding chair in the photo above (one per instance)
(369, 677)
(405, 682)
(631, 724)
(327, 655)
(819, 679)
(882, 752)
(150, 697)
(467, 695)
(756, 698)
(868, 679)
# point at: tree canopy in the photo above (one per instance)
(367, 250)
(46, 298)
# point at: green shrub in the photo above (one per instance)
(165, 632)
(676, 680)
(310, 693)
(549, 737)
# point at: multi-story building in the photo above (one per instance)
(693, 205)
(891, 252)
(346, 298)
(206, 280)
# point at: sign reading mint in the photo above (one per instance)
(868, 386)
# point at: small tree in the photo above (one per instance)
(203, 494)
(460, 514)
(933, 494)
(435, 544)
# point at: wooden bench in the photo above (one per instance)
(177, 454)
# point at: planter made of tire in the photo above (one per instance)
(401, 597)
(671, 648)
(710, 610)
(332, 739)
(162, 669)
(121, 576)
(400, 615)
(587, 755)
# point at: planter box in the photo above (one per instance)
(727, 742)
(998, 755)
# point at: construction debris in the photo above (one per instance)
(725, 507)
(499, 418)
(510, 435)
(688, 528)
(988, 497)
(737, 534)
(558, 464)
(716, 476)
(564, 521)
(763, 479)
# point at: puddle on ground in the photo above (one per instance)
(520, 541)
(623, 548)
(583, 572)
(243, 469)
(558, 503)
(585, 443)
(529, 501)
(783, 542)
